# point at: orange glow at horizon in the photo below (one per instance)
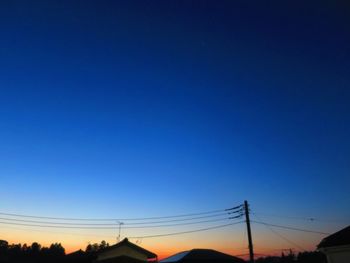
(231, 242)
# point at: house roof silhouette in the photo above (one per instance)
(120, 259)
(126, 242)
(124, 251)
(340, 238)
(202, 255)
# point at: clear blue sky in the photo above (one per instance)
(141, 108)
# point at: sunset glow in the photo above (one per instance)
(156, 120)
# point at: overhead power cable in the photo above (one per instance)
(280, 235)
(180, 224)
(107, 226)
(234, 208)
(58, 223)
(120, 219)
(70, 227)
(57, 233)
(291, 228)
(126, 227)
(284, 238)
(56, 226)
(178, 220)
(187, 232)
(114, 224)
(312, 219)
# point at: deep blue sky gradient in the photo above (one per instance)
(141, 108)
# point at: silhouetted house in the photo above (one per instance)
(337, 246)
(202, 256)
(125, 251)
(79, 257)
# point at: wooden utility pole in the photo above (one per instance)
(250, 242)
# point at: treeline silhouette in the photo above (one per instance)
(55, 253)
(33, 253)
(302, 257)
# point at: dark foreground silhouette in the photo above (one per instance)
(55, 253)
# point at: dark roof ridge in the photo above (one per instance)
(209, 250)
(339, 238)
(126, 241)
(201, 253)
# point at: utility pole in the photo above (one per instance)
(250, 242)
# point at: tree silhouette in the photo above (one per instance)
(55, 253)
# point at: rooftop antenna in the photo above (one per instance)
(120, 228)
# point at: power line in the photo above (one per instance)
(55, 232)
(234, 208)
(181, 224)
(55, 223)
(288, 240)
(207, 221)
(291, 228)
(179, 220)
(280, 235)
(149, 224)
(127, 227)
(120, 219)
(56, 226)
(191, 231)
(108, 226)
(169, 234)
(312, 219)
(284, 238)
